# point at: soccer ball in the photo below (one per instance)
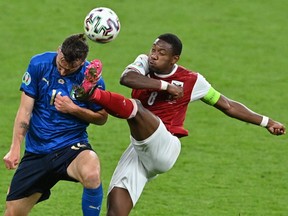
(101, 25)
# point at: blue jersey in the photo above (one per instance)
(50, 129)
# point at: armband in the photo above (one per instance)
(211, 97)
(164, 85)
(264, 121)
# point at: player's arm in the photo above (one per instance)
(65, 105)
(98, 118)
(21, 125)
(239, 111)
(133, 79)
(135, 76)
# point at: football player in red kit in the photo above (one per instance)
(161, 93)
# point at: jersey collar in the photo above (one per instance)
(175, 67)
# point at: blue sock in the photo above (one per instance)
(92, 201)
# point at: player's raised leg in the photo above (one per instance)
(141, 121)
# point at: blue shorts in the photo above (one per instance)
(39, 173)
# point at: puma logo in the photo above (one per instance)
(94, 207)
(78, 146)
(44, 79)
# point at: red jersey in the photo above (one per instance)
(171, 112)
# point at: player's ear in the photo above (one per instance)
(58, 49)
(175, 59)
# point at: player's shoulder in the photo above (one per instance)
(141, 59)
(43, 57)
(143, 56)
(183, 69)
(187, 73)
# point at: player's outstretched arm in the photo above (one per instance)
(239, 111)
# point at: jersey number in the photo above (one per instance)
(53, 96)
(152, 98)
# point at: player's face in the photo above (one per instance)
(161, 59)
(64, 67)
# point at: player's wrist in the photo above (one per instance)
(163, 85)
(264, 121)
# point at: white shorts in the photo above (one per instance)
(143, 160)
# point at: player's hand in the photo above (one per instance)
(64, 104)
(276, 128)
(11, 159)
(89, 84)
(175, 91)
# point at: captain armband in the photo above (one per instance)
(211, 97)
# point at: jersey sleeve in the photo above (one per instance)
(204, 91)
(30, 79)
(201, 88)
(140, 65)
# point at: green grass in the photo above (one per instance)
(226, 167)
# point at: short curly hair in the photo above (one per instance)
(75, 47)
(174, 41)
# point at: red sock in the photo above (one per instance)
(115, 104)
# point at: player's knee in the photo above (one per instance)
(11, 212)
(13, 209)
(92, 179)
(139, 105)
(142, 112)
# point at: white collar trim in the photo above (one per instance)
(175, 67)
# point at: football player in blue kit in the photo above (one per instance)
(54, 126)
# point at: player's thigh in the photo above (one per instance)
(22, 206)
(85, 168)
(159, 152)
(144, 124)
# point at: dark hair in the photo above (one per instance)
(174, 41)
(75, 47)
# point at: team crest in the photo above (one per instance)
(177, 83)
(72, 94)
(61, 81)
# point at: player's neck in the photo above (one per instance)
(168, 73)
